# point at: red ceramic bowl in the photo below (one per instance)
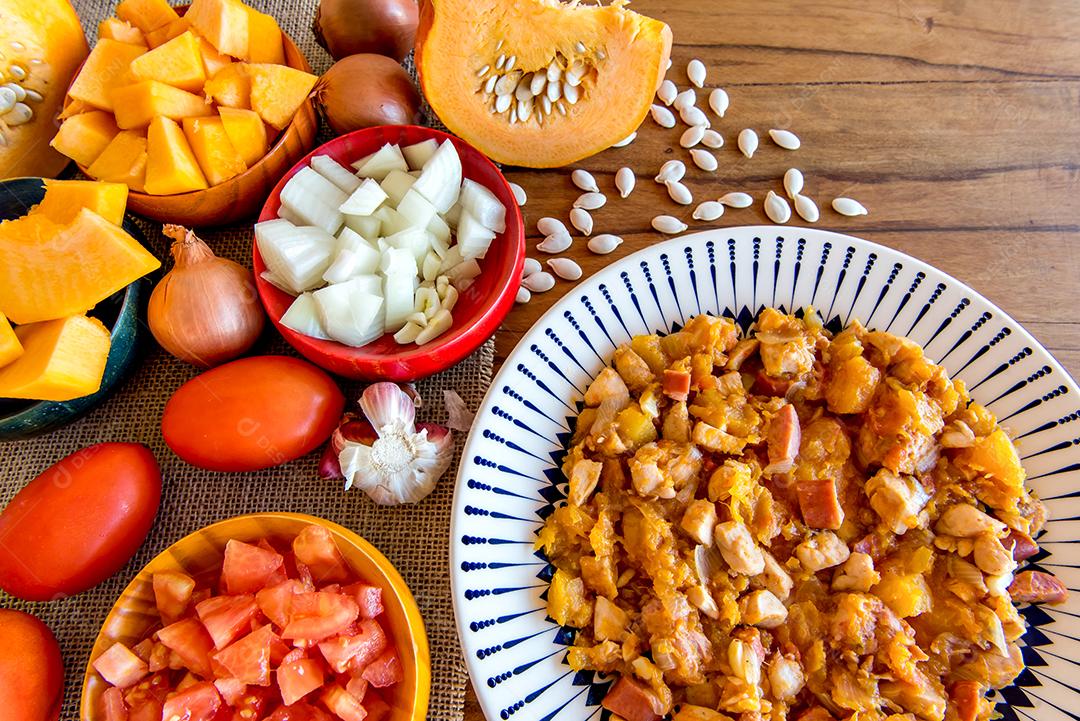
(479, 310)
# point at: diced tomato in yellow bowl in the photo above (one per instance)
(276, 616)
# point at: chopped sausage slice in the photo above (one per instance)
(1038, 587)
(1023, 545)
(676, 384)
(767, 385)
(819, 503)
(784, 437)
(632, 701)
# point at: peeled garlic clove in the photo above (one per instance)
(793, 182)
(580, 219)
(532, 265)
(662, 116)
(704, 159)
(692, 136)
(667, 92)
(777, 208)
(667, 224)
(807, 209)
(849, 207)
(555, 243)
(671, 170)
(695, 71)
(604, 243)
(679, 192)
(625, 181)
(737, 200)
(584, 180)
(748, 142)
(719, 101)
(709, 210)
(550, 226)
(785, 139)
(524, 295)
(539, 282)
(565, 268)
(590, 201)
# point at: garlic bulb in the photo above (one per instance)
(405, 461)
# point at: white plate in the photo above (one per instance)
(509, 477)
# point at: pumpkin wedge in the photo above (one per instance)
(10, 347)
(62, 359)
(600, 64)
(65, 198)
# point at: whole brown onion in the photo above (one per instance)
(384, 27)
(361, 91)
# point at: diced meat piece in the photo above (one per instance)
(898, 500)
(632, 701)
(876, 545)
(730, 384)
(608, 385)
(609, 621)
(677, 423)
(676, 384)
(964, 520)
(784, 437)
(775, 577)
(966, 697)
(991, 556)
(738, 548)
(1023, 545)
(703, 601)
(767, 385)
(851, 385)
(741, 352)
(1038, 587)
(633, 369)
(762, 609)
(822, 551)
(819, 503)
(583, 479)
(646, 475)
(957, 435)
(786, 677)
(857, 574)
(714, 439)
(699, 520)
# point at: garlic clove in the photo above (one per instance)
(386, 405)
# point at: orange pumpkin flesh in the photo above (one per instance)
(624, 57)
(42, 45)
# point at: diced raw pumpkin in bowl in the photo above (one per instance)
(157, 38)
(117, 29)
(216, 154)
(65, 198)
(277, 92)
(62, 359)
(230, 86)
(83, 138)
(178, 63)
(10, 347)
(224, 23)
(212, 59)
(146, 15)
(123, 161)
(246, 131)
(136, 105)
(106, 68)
(264, 38)
(52, 270)
(171, 166)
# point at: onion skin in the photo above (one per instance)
(362, 91)
(383, 27)
(205, 311)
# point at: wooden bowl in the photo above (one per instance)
(243, 195)
(200, 555)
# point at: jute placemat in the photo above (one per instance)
(414, 538)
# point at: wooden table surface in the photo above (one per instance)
(957, 123)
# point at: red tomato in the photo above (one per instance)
(343, 704)
(252, 413)
(299, 712)
(248, 568)
(315, 548)
(355, 651)
(172, 594)
(226, 618)
(385, 670)
(298, 678)
(196, 703)
(318, 615)
(248, 659)
(189, 640)
(115, 708)
(31, 670)
(79, 522)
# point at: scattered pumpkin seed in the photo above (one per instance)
(523, 295)
(555, 243)
(519, 194)
(679, 192)
(540, 282)
(667, 224)
(590, 201)
(671, 170)
(719, 101)
(849, 207)
(695, 70)
(604, 243)
(807, 208)
(704, 159)
(483, 71)
(709, 210)
(580, 219)
(712, 139)
(625, 141)
(662, 116)
(18, 115)
(625, 181)
(584, 180)
(685, 99)
(667, 92)
(785, 139)
(565, 268)
(510, 62)
(532, 265)
(693, 115)
(692, 136)
(571, 93)
(777, 208)
(793, 182)
(737, 200)
(748, 142)
(550, 226)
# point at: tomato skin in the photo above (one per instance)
(79, 522)
(32, 678)
(252, 413)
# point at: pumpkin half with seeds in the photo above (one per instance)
(41, 47)
(539, 83)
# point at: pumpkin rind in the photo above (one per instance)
(627, 54)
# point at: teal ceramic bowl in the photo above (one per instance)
(119, 313)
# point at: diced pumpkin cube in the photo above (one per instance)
(65, 198)
(106, 68)
(177, 63)
(123, 161)
(52, 271)
(84, 137)
(246, 131)
(224, 23)
(117, 29)
(146, 15)
(62, 359)
(907, 595)
(230, 86)
(138, 104)
(264, 38)
(212, 59)
(277, 92)
(216, 154)
(171, 167)
(74, 107)
(157, 38)
(10, 347)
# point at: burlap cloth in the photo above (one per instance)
(415, 538)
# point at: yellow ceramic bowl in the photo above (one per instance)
(201, 554)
